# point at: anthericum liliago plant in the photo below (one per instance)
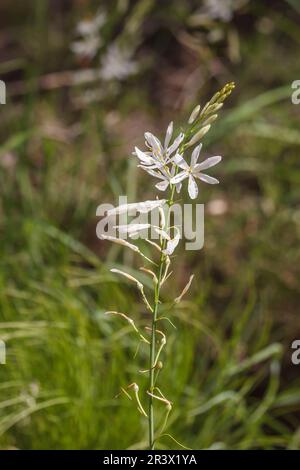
(171, 163)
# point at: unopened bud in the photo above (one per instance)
(194, 114)
(159, 365)
(198, 135)
(210, 120)
(135, 388)
(214, 107)
(215, 97)
(226, 91)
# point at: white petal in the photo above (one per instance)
(195, 155)
(179, 161)
(156, 166)
(171, 244)
(141, 207)
(175, 144)
(206, 178)
(178, 187)
(179, 177)
(192, 188)
(165, 174)
(177, 158)
(169, 134)
(211, 161)
(154, 142)
(152, 172)
(163, 233)
(147, 153)
(89, 27)
(162, 186)
(143, 156)
(131, 228)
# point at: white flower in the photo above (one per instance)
(117, 64)
(194, 170)
(156, 160)
(90, 41)
(217, 9)
(164, 151)
(87, 47)
(91, 26)
(165, 179)
(158, 155)
(148, 161)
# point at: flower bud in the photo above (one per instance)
(198, 136)
(215, 97)
(194, 114)
(210, 120)
(214, 107)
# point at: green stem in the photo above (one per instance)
(151, 420)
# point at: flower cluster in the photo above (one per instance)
(167, 162)
(117, 63)
(159, 163)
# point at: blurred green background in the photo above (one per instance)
(85, 80)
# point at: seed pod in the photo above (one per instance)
(120, 241)
(186, 288)
(128, 276)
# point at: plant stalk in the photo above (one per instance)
(151, 419)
